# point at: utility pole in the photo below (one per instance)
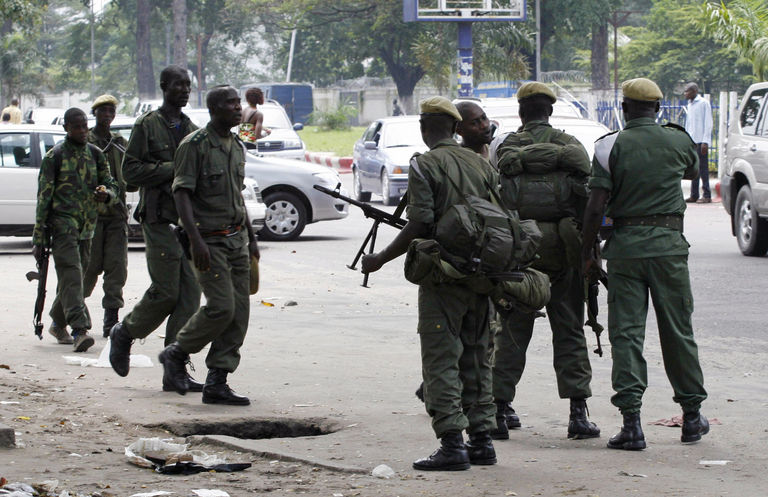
(93, 74)
(290, 56)
(617, 21)
(538, 40)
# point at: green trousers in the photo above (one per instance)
(570, 354)
(109, 254)
(70, 256)
(223, 320)
(173, 293)
(453, 329)
(667, 280)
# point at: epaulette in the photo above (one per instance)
(607, 134)
(678, 128)
(198, 135)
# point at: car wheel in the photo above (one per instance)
(385, 197)
(751, 231)
(286, 217)
(357, 187)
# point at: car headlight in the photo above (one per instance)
(330, 179)
(292, 144)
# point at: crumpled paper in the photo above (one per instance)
(167, 457)
(137, 360)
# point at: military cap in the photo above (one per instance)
(642, 89)
(439, 105)
(104, 100)
(535, 88)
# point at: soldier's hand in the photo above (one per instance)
(37, 252)
(588, 265)
(371, 263)
(201, 256)
(704, 149)
(101, 194)
(253, 249)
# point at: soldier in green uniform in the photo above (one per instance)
(637, 173)
(209, 168)
(74, 178)
(559, 258)
(148, 164)
(109, 247)
(453, 320)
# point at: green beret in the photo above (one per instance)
(535, 88)
(642, 89)
(439, 105)
(104, 100)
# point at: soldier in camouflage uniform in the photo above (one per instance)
(636, 173)
(109, 248)
(148, 164)
(453, 320)
(208, 183)
(74, 178)
(558, 258)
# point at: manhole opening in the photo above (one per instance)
(251, 428)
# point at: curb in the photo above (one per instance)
(341, 164)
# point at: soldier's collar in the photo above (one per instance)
(640, 121)
(448, 142)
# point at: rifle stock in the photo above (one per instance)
(379, 216)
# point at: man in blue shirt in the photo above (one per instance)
(698, 124)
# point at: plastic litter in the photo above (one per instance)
(721, 462)
(172, 459)
(204, 492)
(636, 475)
(383, 471)
(152, 494)
(137, 360)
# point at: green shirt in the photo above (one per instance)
(114, 149)
(66, 197)
(213, 172)
(431, 193)
(148, 164)
(642, 167)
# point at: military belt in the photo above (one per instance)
(231, 230)
(672, 221)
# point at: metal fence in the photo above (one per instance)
(609, 113)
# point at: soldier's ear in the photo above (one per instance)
(657, 107)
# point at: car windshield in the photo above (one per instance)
(403, 134)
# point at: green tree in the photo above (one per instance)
(742, 24)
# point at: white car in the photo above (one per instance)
(500, 107)
(584, 130)
(22, 148)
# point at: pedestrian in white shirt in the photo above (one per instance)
(698, 124)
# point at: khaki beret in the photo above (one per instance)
(535, 88)
(642, 89)
(439, 105)
(104, 100)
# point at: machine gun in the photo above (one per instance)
(592, 288)
(379, 216)
(41, 275)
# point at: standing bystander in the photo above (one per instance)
(698, 124)
(13, 111)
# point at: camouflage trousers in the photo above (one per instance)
(109, 254)
(70, 256)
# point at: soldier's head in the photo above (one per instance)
(104, 109)
(475, 127)
(15, 102)
(176, 86)
(438, 120)
(254, 97)
(76, 125)
(641, 98)
(536, 101)
(224, 107)
(691, 90)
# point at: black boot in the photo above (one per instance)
(480, 449)
(216, 390)
(120, 349)
(579, 427)
(192, 384)
(631, 435)
(110, 319)
(174, 360)
(420, 392)
(451, 456)
(694, 426)
(501, 432)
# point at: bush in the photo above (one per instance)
(335, 119)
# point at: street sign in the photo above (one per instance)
(463, 10)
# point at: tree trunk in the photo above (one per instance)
(405, 77)
(180, 33)
(599, 57)
(144, 74)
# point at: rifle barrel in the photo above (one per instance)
(368, 210)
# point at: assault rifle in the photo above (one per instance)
(41, 275)
(592, 288)
(379, 216)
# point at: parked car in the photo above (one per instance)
(22, 148)
(744, 183)
(584, 130)
(43, 115)
(499, 107)
(282, 141)
(380, 158)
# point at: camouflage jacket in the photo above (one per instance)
(114, 149)
(65, 198)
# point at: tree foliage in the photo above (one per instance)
(742, 24)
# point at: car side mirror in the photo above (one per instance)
(298, 127)
(370, 145)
